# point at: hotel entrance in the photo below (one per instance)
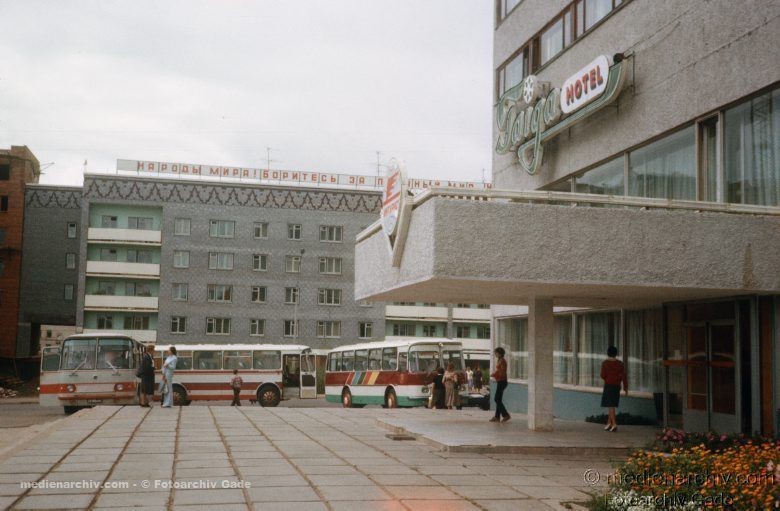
(711, 377)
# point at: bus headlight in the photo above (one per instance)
(119, 387)
(425, 390)
(71, 388)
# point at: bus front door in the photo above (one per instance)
(308, 376)
(291, 375)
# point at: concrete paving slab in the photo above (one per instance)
(513, 505)
(294, 506)
(439, 505)
(339, 480)
(283, 494)
(374, 505)
(131, 500)
(359, 493)
(422, 493)
(402, 480)
(214, 497)
(80, 501)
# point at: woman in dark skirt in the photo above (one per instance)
(147, 378)
(613, 372)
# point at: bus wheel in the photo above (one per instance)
(268, 395)
(179, 396)
(391, 400)
(346, 398)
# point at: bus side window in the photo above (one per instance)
(402, 361)
(389, 359)
(348, 361)
(375, 360)
(361, 360)
(334, 362)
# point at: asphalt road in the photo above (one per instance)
(23, 415)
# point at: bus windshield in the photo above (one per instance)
(78, 354)
(424, 358)
(455, 356)
(115, 354)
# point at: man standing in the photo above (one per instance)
(235, 383)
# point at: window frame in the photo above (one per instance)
(177, 222)
(329, 297)
(68, 227)
(262, 294)
(324, 260)
(292, 295)
(217, 256)
(257, 259)
(180, 253)
(258, 325)
(178, 325)
(68, 257)
(180, 286)
(221, 322)
(264, 228)
(365, 330)
(213, 294)
(330, 232)
(292, 263)
(216, 228)
(294, 230)
(294, 325)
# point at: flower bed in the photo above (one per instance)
(720, 472)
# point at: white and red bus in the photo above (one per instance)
(269, 371)
(390, 373)
(90, 369)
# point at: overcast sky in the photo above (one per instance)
(325, 84)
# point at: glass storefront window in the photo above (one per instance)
(563, 354)
(606, 179)
(665, 169)
(512, 336)
(644, 350)
(596, 333)
(752, 151)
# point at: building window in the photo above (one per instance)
(258, 294)
(596, 332)
(105, 322)
(108, 254)
(106, 288)
(294, 231)
(178, 325)
(606, 179)
(70, 261)
(329, 297)
(292, 264)
(462, 332)
(138, 289)
(5, 172)
(483, 306)
(596, 10)
(136, 322)
(551, 40)
(260, 230)
(365, 330)
(644, 349)
(222, 228)
(290, 328)
(365, 303)
(72, 230)
(139, 256)
(217, 326)
(512, 336)
(329, 329)
(180, 292)
(257, 327)
(108, 222)
(563, 350)
(181, 259)
(504, 7)
(2, 236)
(330, 265)
(139, 222)
(430, 331)
(291, 295)
(68, 295)
(752, 151)
(260, 262)
(483, 332)
(331, 233)
(181, 227)
(665, 169)
(220, 293)
(220, 261)
(405, 329)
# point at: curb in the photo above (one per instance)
(508, 449)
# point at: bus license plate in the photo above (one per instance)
(94, 401)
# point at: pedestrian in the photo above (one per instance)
(470, 378)
(500, 376)
(450, 386)
(167, 377)
(613, 372)
(438, 389)
(478, 378)
(235, 383)
(146, 373)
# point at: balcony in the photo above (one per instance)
(123, 236)
(416, 312)
(123, 269)
(470, 314)
(144, 336)
(118, 303)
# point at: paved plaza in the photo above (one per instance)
(204, 457)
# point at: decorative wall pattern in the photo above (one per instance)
(226, 195)
(53, 198)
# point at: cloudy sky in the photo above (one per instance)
(325, 84)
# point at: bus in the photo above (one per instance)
(90, 369)
(269, 372)
(390, 373)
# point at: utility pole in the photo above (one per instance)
(268, 159)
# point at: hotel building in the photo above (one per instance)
(635, 203)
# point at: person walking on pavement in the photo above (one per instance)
(146, 372)
(235, 383)
(169, 366)
(613, 372)
(500, 376)
(450, 386)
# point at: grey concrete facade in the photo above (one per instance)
(48, 212)
(202, 201)
(688, 59)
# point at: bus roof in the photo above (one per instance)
(398, 343)
(94, 335)
(232, 347)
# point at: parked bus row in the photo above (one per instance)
(91, 369)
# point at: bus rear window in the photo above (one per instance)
(115, 354)
(238, 360)
(207, 360)
(348, 361)
(79, 354)
(267, 359)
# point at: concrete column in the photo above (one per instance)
(540, 361)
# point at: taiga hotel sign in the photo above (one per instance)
(530, 113)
